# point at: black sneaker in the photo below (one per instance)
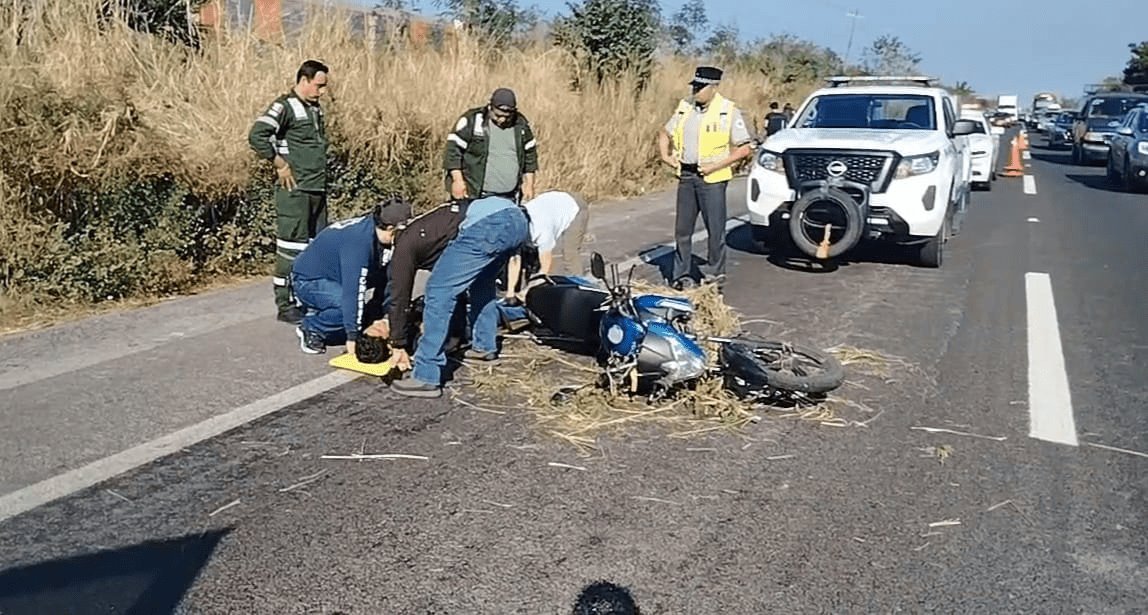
(714, 279)
(411, 387)
(310, 341)
(290, 315)
(478, 355)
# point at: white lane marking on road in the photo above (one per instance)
(1033, 220)
(654, 254)
(65, 484)
(1029, 184)
(1027, 155)
(1049, 398)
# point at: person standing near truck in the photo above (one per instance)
(709, 136)
(292, 135)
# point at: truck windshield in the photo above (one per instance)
(876, 111)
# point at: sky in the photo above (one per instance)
(1020, 47)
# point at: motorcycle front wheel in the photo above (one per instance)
(766, 364)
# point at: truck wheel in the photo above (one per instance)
(801, 230)
(932, 252)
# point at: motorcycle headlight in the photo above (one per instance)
(770, 161)
(912, 166)
(1142, 148)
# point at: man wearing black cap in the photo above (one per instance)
(492, 152)
(709, 136)
(331, 276)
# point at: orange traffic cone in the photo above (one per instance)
(1015, 167)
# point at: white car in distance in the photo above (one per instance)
(863, 159)
(984, 147)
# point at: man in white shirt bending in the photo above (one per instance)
(555, 216)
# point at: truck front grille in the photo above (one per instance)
(868, 169)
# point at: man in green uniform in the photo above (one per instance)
(492, 152)
(292, 135)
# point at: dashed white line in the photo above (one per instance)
(1027, 155)
(1029, 184)
(65, 484)
(1049, 399)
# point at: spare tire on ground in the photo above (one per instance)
(816, 208)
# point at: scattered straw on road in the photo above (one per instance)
(530, 374)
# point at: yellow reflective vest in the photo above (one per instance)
(714, 132)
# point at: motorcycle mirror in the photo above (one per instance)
(598, 266)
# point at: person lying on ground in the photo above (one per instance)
(494, 229)
(554, 215)
(332, 275)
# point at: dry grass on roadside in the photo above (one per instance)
(125, 171)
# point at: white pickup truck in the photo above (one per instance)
(865, 158)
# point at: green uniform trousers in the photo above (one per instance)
(300, 215)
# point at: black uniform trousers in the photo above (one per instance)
(299, 216)
(695, 197)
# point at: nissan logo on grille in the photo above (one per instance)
(836, 168)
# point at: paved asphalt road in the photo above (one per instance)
(801, 518)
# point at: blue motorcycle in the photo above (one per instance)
(645, 344)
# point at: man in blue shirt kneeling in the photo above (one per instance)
(332, 275)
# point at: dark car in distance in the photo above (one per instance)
(1097, 122)
(1061, 133)
(1128, 151)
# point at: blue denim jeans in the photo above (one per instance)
(323, 312)
(471, 262)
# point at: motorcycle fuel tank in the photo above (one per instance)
(662, 307)
(620, 335)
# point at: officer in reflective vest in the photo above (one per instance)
(709, 136)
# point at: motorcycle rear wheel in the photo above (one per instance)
(768, 364)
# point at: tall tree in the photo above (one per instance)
(888, 55)
(687, 26)
(1136, 72)
(496, 21)
(612, 37)
(723, 44)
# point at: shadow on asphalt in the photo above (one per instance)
(1053, 156)
(150, 577)
(1096, 182)
(741, 239)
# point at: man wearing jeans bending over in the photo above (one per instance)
(494, 229)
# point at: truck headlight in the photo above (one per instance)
(1142, 148)
(1095, 137)
(911, 166)
(770, 161)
